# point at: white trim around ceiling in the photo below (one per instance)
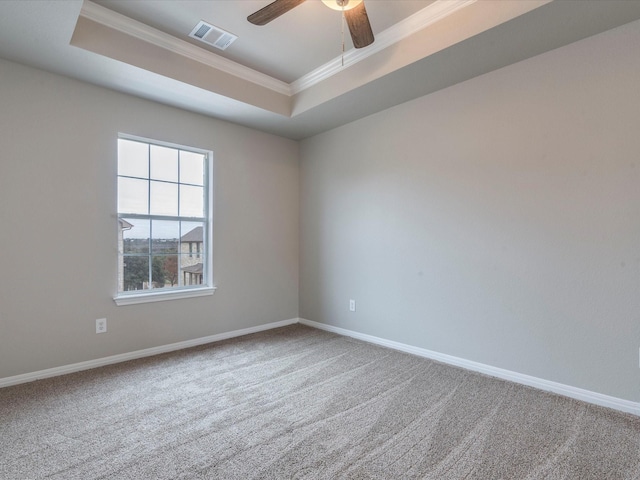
(124, 24)
(436, 11)
(401, 30)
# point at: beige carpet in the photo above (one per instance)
(302, 403)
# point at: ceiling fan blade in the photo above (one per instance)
(359, 26)
(273, 11)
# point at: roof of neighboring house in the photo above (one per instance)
(124, 224)
(197, 268)
(194, 235)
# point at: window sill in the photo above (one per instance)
(133, 299)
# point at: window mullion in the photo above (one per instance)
(150, 256)
(206, 245)
(161, 217)
(180, 280)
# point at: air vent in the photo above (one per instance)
(214, 36)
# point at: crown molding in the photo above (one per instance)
(143, 32)
(410, 25)
(416, 22)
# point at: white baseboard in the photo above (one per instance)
(555, 387)
(147, 352)
(559, 388)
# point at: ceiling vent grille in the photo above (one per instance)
(214, 36)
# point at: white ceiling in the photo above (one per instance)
(286, 78)
(287, 48)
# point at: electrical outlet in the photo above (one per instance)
(101, 325)
(352, 305)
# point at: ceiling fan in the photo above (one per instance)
(353, 10)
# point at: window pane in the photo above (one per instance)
(164, 198)
(192, 232)
(133, 196)
(136, 273)
(166, 236)
(164, 163)
(165, 271)
(191, 201)
(192, 253)
(133, 158)
(191, 168)
(191, 270)
(135, 235)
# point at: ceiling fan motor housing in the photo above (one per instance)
(342, 4)
(354, 13)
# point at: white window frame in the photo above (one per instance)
(185, 291)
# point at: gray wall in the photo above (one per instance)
(497, 220)
(58, 240)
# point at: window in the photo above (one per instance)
(163, 219)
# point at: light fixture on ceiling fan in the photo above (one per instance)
(342, 4)
(354, 13)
